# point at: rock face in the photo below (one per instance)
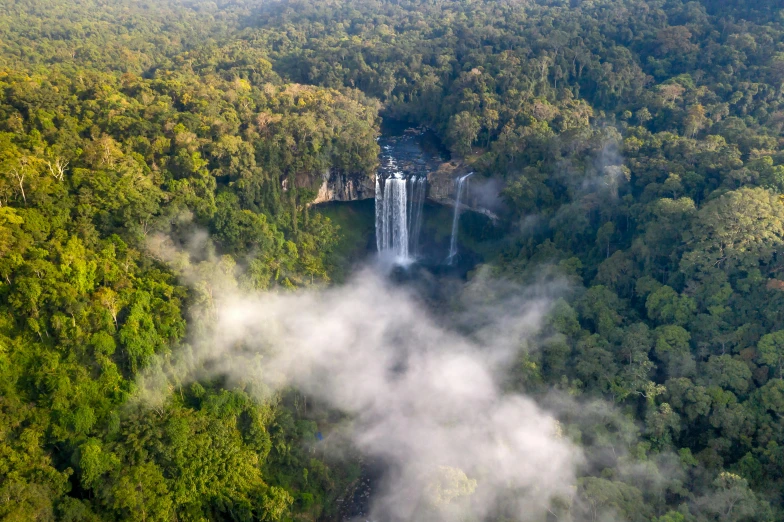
(441, 188)
(338, 186)
(405, 154)
(441, 183)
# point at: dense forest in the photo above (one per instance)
(640, 144)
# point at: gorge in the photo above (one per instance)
(414, 189)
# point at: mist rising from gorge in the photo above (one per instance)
(425, 400)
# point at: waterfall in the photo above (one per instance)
(410, 192)
(399, 221)
(400, 199)
(418, 192)
(399, 213)
(392, 228)
(379, 215)
(460, 182)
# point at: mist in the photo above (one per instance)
(426, 401)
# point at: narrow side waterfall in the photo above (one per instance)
(460, 182)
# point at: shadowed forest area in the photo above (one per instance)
(640, 149)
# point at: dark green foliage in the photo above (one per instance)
(639, 143)
(121, 136)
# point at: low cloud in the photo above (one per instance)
(425, 399)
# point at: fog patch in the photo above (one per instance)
(425, 399)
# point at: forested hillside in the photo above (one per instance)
(640, 145)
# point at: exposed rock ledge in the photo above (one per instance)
(441, 188)
(337, 186)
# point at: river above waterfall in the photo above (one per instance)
(400, 191)
(417, 151)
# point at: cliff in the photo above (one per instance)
(441, 188)
(338, 186)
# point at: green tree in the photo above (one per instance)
(665, 306)
(462, 131)
(771, 351)
(739, 230)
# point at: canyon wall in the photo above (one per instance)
(338, 186)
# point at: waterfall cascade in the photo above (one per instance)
(418, 191)
(399, 204)
(460, 183)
